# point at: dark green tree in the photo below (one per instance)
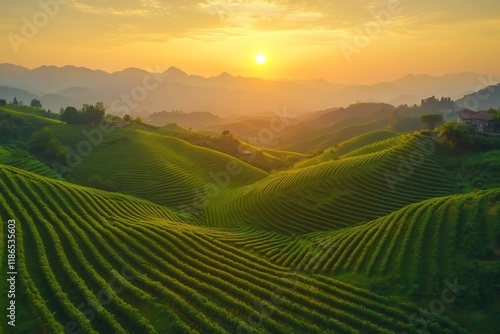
(455, 135)
(35, 103)
(45, 145)
(71, 116)
(496, 119)
(431, 120)
(93, 114)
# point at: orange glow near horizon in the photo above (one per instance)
(349, 43)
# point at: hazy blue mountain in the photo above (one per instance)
(139, 92)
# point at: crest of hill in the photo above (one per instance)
(34, 118)
(363, 110)
(197, 119)
(353, 144)
(486, 98)
(406, 252)
(322, 138)
(23, 160)
(159, 168)
(73, 237)
(338, 193)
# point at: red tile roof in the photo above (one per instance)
(470, 115)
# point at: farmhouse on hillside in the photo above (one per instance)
(477, 120)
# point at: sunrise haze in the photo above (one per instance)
(355, 42)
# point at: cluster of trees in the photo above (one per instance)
(36, 103)
(401, 120)
(480, 171)
(47, 147)
(3, 102)
(496, 118)
(431, 120)
(435, 104)
(411, 118)
(129, 119)
(226, 143)
(14, 127)
(460, 137)
(89, 114)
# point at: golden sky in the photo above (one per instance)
(354, 41)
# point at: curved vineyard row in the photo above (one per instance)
(109, 263)
(337, 194)
(419, 244)
(164, 170)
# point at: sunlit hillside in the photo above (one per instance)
(136, 230)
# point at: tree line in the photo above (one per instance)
(88, 114)
(36, 103)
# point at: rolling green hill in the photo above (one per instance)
(339, 193)
(23, 160)
(345, 147)
(410, 252)
(107, 263)
(360, 239)
(162, 169)
(450, 231)
(324, 138)
(17, 123)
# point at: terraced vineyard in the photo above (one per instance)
(416, 246)
(358, 142)
(196, 241)
(329, 139)
(107, 263)
(339, 193)
(23, 160)
(162, 169)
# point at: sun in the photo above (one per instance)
(260, 59)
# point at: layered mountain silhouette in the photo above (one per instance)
(139, 92)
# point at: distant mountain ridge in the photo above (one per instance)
(140, 92)
(488, 97)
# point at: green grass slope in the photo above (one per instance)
(410, 253)
(162, 169)
(419, 243)
(18, 123)
(348, 146)
(339, 193)
(326, 137)
(35, 115)
(99, 262)
(23, 160)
